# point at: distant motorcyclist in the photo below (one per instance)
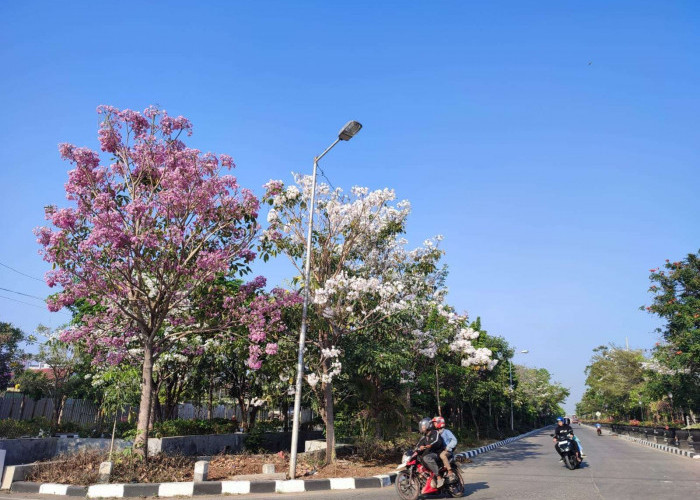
(563, 430)
(430, 445)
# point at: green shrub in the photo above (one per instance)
(10, 428)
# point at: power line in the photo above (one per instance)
(20, 293)
(20, 272)
(20, 301)
(325, 177)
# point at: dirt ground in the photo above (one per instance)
(82, 468)
(225, 467)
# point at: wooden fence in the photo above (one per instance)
(17, 406)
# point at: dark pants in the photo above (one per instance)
(430, 461)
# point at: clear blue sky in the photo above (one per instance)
(554, 144)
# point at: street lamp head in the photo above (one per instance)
(349, 130)
(524, 351)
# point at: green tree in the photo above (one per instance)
(59, 358)
(614, 380)
(676, 291)
(10, 353)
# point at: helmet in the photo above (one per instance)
(560, 419)
(425, 425)
(438, 422)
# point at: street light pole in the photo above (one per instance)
(346, 133)
(510, 377)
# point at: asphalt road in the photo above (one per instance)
(614, 469)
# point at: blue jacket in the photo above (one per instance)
(449, 438)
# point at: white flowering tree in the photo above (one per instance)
(362, 274)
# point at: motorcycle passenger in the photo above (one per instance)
(561, 430)
(450, 445)
(430, 445)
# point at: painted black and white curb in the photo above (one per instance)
(188, 489)
(668, 449)
(492, 446)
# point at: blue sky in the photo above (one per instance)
(553, 144)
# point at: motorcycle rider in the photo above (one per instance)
(561, 430)
(450, 445)
(430, 445)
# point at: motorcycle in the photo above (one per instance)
(565, 445)
(599, 431)
(414, 478)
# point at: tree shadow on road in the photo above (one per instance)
(505, 456)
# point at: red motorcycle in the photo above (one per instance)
(415, 479)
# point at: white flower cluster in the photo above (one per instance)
(289, 195)
(481, 356)
(452, 317)
(425, 343)
(333, 352)
(342, 291)
(257, 402)
(407, 377)
(336, 366)
(657, 367)
(462, 341)
(312, 379)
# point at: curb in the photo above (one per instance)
(188, 489)
(663, 447)
(492, 446)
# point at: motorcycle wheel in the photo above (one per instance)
(407, 487)
(570, 462)
(456, 489)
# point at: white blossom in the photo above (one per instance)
(312, 379)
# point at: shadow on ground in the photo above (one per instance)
(469, 488)
(507, 455)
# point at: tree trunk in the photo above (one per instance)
(330, 421)
(141, 441)
(437, 388)
(60, 403)
(253, 415)
(210, 402)
(21, 407)
(152, 411)
(476, 424)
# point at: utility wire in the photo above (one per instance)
(21, 302)
(325, 177)
(20, 272)
(20, 293)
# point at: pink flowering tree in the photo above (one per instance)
(362, 275)
(144, 238)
